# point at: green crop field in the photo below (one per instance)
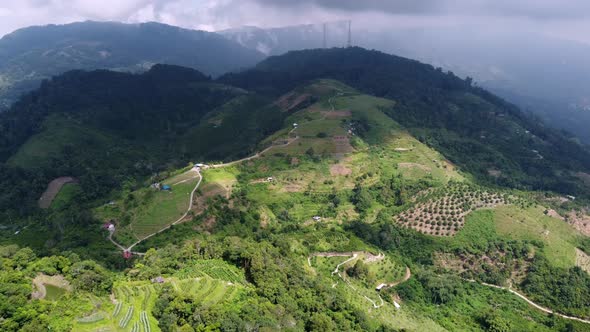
(531, 224)
(148, 210)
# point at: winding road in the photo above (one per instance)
(190, 206)
(539, 307)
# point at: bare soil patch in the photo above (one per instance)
(293, 101)
(342, 145)
(337, 114)
(53, 189)
(339, 169)
(554, 214)
(414, 165)
(293, 188)
(580, 221)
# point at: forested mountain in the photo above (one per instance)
(545, 75)
(32, 54)
(105, 126)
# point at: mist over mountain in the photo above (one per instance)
(547, 76)
(32, 54)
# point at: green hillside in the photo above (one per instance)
(316, 207)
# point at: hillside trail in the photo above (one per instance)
(537, 306)
(353, 255)
(257, 154)
(190, 207)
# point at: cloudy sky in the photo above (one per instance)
(568, 19)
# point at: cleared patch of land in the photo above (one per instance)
(148, 210)
(50, 287)
(53, 188)
(532, 224)
(445, 215)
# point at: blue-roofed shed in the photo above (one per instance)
(166, 187)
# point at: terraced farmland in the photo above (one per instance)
(212, 268)
(207, 282)
(132, 311)
(207, 291)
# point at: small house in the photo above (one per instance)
(127, 254)
(573, 198)
(269, 179)
(295, 125)
(166, 187)
(111, 228)
(317, 218)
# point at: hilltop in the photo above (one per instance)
(481, 133)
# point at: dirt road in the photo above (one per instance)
(546, 310)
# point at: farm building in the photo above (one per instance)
(166, 187)
(317, 218)
(109, 227)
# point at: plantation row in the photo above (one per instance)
(212, 268)
(207, 291)
(442, 211)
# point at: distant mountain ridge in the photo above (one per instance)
(32, 54)
(547, 76)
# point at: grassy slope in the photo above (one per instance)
(531, 224)
(58, 133)
(148, 210)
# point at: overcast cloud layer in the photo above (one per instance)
(568, 19)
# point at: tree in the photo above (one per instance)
(493, 322)
(359, 270)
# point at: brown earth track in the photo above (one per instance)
(53, 188)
